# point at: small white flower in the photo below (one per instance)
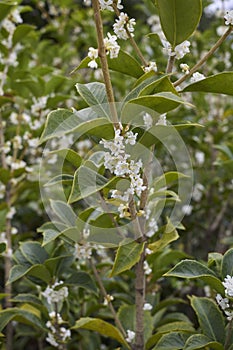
(222, 302)
(228, 18)
(108, 299)
(147, 268)
(106, 4)
(51, 340)
(131, 138)
(130, 336)
(122, 22)
(152, 66)
(148, 251)
(53, 295)
(200, 157)
(162, 120)
(197, 192)
(185, 68)
(148, 121)
(182, 49)
(197, 77)
(93, 55)
(228, 284)
(83, 252)
(65, 333)
(11, 213)
(187, 209)
(111, 45)
(147, 307)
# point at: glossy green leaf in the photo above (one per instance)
(33, 252)
(200, 341)
(64, 212)
(82, 280)
(64, 179)
(169, 235)
(27, 298)
(87, 182)
(19, 315)
(194, 269)
(220, 83)
(162, 102)
(128, 254)
(160, 85)
(92, 93)
(124, 63)
(179, 326)
(58, 123)
(102, 327)
(171, 341)
(21, 31)
(179, 18)
(38, 271)
(210, 318)
(227, 263)
(50, 231)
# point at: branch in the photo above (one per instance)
(104, 61)
(205, 58)
(105, 295)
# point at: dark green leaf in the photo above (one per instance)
(179, 18)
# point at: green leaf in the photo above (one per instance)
(33, 252)
(21, 31)
(2, 247)
(220, 83)
(5, 175)
(82, 280)
(179, 326)
(200, 341)
(87, 182)
(128, 254)
(70, 155)
(27, 298)
(102, 327)
(160, 85)
(64, 212)
(64, 179)
(162, 102)
(227, 264)
(171, 341)
(5, 8)
(124, 63)
(179, 18)
(58, 123)
(38, 271)
(92, 93)
(62, 121)
(210, 318)
(194, 269)
(170, 234)
(19, 315)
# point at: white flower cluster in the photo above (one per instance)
(185, 68)
(84, 251)
(121, 24)
(197, 77)
(153, 228)
(56, 334)
(120, 164)
(130, 336)
(229, 18)
(55, 295)
(152, 67)
(112, 49)
(147, 268)
(224, 303)
(180, 50)
(107, 5)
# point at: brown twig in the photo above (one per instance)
(205, 58)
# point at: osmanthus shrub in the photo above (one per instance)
(116, 179)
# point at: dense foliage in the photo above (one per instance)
(116, 206)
